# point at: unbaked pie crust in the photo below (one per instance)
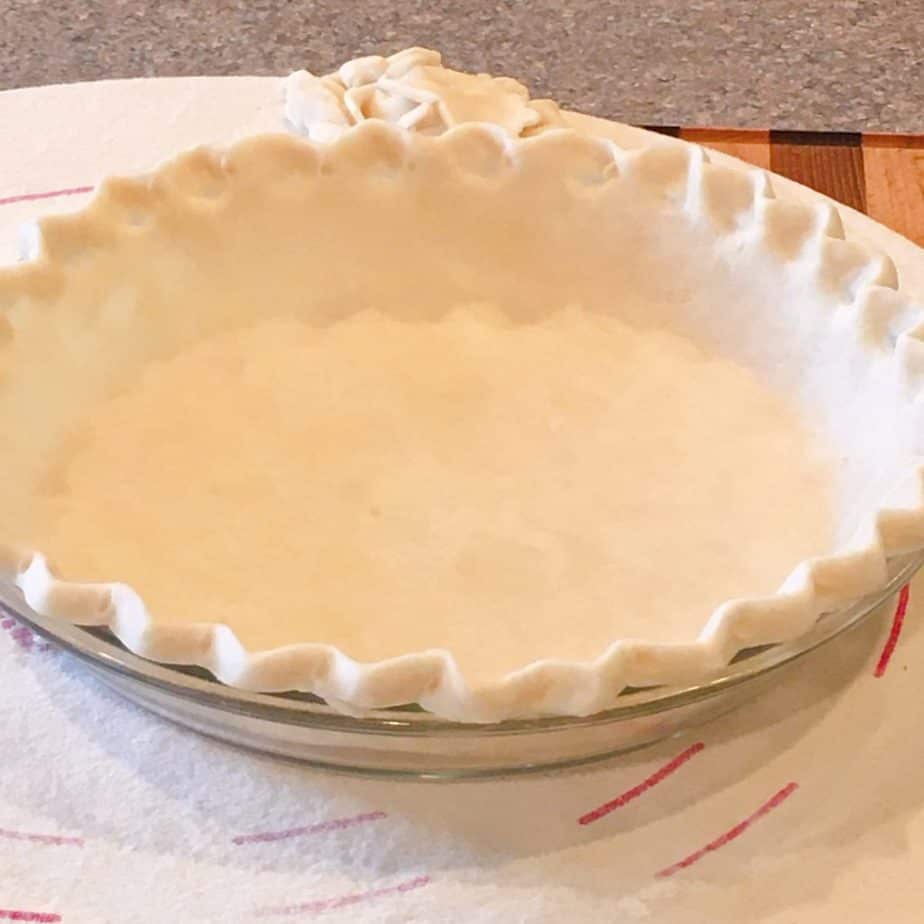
(489, 416)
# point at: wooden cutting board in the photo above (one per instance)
(880, 175)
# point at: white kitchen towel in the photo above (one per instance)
(806, 806)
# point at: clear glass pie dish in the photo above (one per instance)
(407, 741)
(433, 417)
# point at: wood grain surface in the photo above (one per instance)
(881, 175)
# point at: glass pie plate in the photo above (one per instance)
(409, 742)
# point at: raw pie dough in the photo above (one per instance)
(498, 425)
(566, 483)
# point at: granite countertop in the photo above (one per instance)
(798, 64)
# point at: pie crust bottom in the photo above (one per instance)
(509, 492)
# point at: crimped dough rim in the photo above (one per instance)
(432, 678)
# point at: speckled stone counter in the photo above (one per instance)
(817, 64)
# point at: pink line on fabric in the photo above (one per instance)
(19, 634)
(24, 637)
(39, 917)
(32, 197)
(335, 824)
(739, 829)
(897, 622)
(643, 787)
(344, 901)
(52, 840)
